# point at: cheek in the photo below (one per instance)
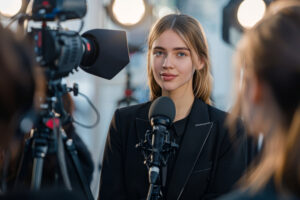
(187, 69)
(155, 66)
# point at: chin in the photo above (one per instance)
(168, 88)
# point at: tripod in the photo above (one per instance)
(154, 162)
(48, 137)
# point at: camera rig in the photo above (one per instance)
(100, 52)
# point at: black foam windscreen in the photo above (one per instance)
(162, 106)
(111, 52)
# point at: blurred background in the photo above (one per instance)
(223, 21)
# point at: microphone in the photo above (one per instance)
(161, 115)
(105, 52)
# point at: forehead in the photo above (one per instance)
(169, 39)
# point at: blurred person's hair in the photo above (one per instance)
(191, 32)
(271, 52)
(21, 82)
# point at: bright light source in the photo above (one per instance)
(128, 12)
(250, 12)
(9, 8)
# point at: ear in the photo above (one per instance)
(199, 63)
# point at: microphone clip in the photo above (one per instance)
(147, 149)
(156, 149)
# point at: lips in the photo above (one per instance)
(168, 76)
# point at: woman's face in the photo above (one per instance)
(171, 63)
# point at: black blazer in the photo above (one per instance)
(208, 164)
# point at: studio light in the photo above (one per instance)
(128, 13)
(250, 12)
(9, 8)
(239, 15)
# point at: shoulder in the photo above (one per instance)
(204, 113)
(139, 110)
(216, 114)
(219, 117)
(134, 108)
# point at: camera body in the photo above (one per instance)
(58, 51)
(99, 52)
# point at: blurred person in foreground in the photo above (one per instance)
(21, 83)
(268, 61)
(21, 88)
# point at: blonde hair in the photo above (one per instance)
(190, 30)
(270, 50)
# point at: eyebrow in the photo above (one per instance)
(176, 48)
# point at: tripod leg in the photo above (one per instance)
(40, 149)
(73, 153)
(37, 173)
(62, 160)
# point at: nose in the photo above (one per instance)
(167, 62)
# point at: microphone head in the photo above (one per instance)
(162, 106)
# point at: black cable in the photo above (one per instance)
(94, 108)
(81, 25)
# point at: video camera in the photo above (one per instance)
(100, 52)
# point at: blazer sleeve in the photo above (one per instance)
(112, 177)
(230, 164)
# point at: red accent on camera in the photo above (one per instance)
(50, 123)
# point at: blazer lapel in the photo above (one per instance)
(142, 123)
(198, 130)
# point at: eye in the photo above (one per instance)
(157, 53)
(181, 54)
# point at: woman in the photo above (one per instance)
(207, 163)
(269, 102)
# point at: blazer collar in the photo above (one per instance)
(194, 139)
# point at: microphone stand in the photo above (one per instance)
(156, 149)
